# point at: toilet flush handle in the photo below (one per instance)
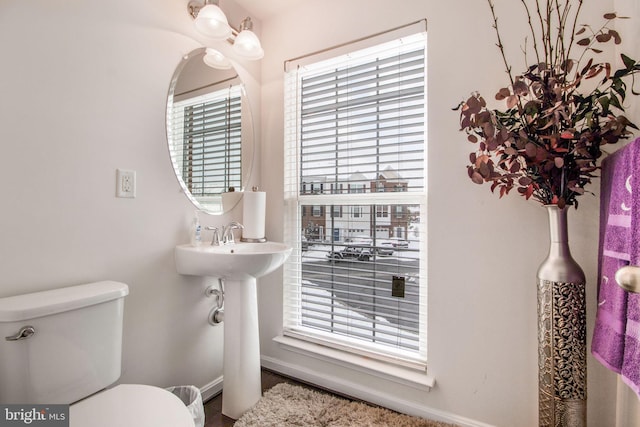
(22, 334)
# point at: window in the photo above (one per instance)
(382, 211)
(357, 121)
(206, 137)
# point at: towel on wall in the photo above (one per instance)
(616, 337)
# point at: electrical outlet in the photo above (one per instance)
(125, 183)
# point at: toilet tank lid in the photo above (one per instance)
(38, 304)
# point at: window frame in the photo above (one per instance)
(296, 201)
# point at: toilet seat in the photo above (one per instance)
(131, 405)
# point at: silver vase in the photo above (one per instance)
(562, 336)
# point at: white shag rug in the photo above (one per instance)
(287, 405)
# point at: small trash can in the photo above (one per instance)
(191, 397)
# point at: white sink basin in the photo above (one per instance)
(235, 261)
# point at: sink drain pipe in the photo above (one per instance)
(216, 315)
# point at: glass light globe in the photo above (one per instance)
(216, 59)
(247, 45)
(212, 22)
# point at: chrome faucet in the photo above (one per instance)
(227, 232)
(215, 241)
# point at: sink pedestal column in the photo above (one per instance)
(242, 387)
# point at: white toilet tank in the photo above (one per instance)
(75, 350)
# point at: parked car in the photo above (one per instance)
(351, 253)
(364, 255)
(400, 244)
(360, 253)
(385, 249)
(335, 256)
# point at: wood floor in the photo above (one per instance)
(213, 407)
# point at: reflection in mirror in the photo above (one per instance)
(209, 131)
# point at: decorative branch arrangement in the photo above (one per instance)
(547, 140)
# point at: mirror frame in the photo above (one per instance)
(247, 144)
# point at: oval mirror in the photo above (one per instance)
(209, 131)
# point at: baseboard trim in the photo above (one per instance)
(377, 397)
(211, 389)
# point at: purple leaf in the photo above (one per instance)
(530, 149)
(559, 162)
(502, 94)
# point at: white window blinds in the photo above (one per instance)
(361, 120)
(355, 196)
(207, 137)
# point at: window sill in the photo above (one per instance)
(386, 371)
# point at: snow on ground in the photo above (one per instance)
(318, 298)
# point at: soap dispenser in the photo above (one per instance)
(196, 231)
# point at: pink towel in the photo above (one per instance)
(616, 337)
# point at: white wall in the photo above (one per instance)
(483, 252)
(83, 87)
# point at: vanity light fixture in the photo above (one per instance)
(211, 21)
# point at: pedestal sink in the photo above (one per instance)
(239, 265)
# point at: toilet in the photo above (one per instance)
(64, 346)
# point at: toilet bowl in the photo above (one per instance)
(130, 405)
(64, 346)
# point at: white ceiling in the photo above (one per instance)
(264, 9)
